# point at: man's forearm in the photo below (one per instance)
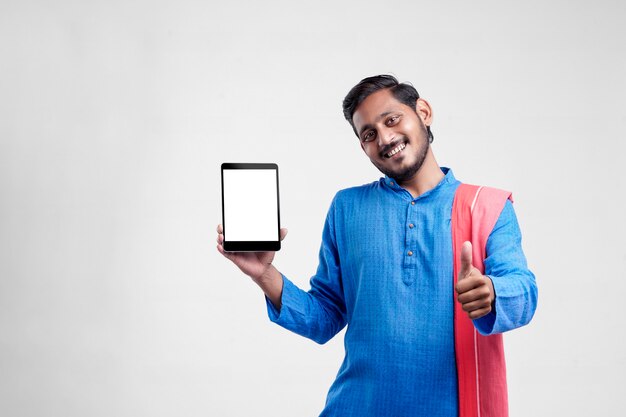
(272, 285)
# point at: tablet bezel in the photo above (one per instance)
(251, 246)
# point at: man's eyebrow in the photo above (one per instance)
(364, 128)
(369, 126)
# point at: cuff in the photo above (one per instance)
(287, 301)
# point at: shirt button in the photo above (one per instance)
(391, 182)
(411, 225)
(412, 203)
(410, 253)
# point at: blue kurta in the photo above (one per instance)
(385, 270)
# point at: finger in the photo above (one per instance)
(220, 229)
(477, 293)
(283, 233)
(466, 260)
(468, 283)
(220, 238)
(475, 305)
(479, 313)
(221, 250)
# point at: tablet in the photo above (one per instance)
(250, 207)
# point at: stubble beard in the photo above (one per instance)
(410, 171)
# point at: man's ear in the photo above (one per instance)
(424, 111)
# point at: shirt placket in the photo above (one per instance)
(410, 244)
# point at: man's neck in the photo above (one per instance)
(426, 178)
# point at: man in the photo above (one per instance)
(386, 270)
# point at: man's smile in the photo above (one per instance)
(395, 150)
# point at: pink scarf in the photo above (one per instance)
(481, 369)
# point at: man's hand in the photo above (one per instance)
(475, 290)
(253, 264)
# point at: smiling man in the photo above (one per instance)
(425, 310)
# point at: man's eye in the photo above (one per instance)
(393, 120)
(368, 136)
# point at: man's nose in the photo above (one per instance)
(385, 136)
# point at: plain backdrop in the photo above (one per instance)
(116, 115)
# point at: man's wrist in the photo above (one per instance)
(268, 276)
(271, 282)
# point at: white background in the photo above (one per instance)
(250, 205)
(116, 115)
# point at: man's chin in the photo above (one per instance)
(401, 175)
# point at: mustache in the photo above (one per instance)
(393, 145)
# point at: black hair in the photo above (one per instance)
(403, 92)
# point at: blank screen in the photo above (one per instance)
(250, 205)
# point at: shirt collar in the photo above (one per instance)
(448, 178)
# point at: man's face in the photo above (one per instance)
(385, 125)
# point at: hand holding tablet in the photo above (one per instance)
(251, 232)
(254, 264)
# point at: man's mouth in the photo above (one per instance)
(395, 150)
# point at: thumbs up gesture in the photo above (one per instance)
(475, 290)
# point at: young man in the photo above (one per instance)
(417, 321)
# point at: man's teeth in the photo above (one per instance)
(396, 150)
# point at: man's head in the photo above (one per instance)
(403, 92)
(392, 123)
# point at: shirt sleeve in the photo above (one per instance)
(514, 284)
(320, 313)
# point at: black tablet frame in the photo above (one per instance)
(251, 246)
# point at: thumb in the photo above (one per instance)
(283, 233)
(466, 260)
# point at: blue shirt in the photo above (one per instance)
(385, 270)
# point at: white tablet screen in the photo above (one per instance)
(250, 205)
